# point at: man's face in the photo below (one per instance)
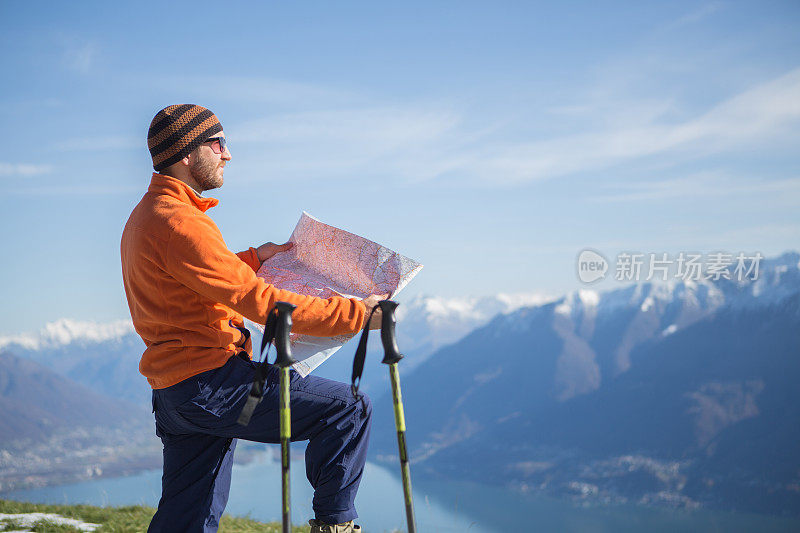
(206, 167)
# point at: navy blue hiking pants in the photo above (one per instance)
(196, 421)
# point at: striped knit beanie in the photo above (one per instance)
(177, 130)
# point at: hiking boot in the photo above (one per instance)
(319, 527)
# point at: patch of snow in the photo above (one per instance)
(589, 298)
(669, 330)
(440, 307)
(577, 300)
(513, 302)
(468, 308)
(564, 308)
(27, 520)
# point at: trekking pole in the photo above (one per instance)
(284, 360)
(391, 357)
(277, 328)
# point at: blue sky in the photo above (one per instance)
(490, 141)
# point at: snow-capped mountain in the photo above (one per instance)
(105, 356)
(649, 391)
(583, 319)
(101, 356)
(62, 332)
(577, 391)
(425, 323)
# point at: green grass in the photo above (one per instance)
(46, 526)
(129, 519)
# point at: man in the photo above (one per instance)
(187, 295)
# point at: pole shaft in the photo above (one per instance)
(400, 423)
(286, 433)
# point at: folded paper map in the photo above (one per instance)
(326, 261)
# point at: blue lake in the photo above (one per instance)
(440, 506)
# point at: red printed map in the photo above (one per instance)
(326, 261)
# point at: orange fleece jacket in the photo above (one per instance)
(187, 292)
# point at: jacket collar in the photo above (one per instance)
(161, 184)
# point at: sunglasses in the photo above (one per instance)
(218, 144)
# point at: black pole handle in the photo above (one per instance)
(277, 328)
(391, 353)
(282, 328)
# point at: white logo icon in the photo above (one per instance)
(591, 266)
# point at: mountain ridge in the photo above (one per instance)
(526, 394)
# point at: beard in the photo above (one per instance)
(204, 172)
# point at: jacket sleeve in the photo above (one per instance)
(197, 256)
(250, 256)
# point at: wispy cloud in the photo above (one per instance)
(73, 190)
(92, 144)
(771, 239)
(79, 56)
(385, 128)
(23, 169)
(419, 143)
(703, 185)
(244, 89)
(697, 15)
(764, 112)
(408, 142)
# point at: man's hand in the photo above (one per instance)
(370, 302)
(265, 251)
